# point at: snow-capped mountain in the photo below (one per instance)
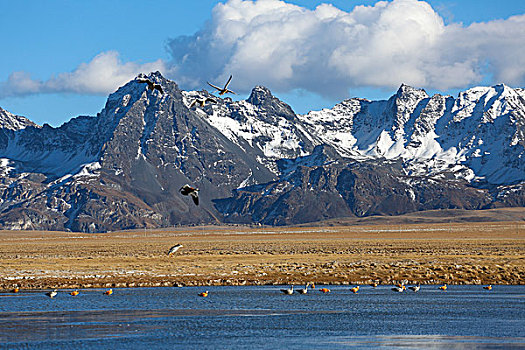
(262, 125)
(478, 136)
(255, 160)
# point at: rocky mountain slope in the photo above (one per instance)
(256, 161)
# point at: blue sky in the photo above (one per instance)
(45, 44)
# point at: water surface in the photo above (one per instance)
(261, 317)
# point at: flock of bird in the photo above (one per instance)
(401, 287)
(288, 291)
(54, 292)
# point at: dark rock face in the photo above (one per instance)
(337, 190)
(122, 169)
(257, 161)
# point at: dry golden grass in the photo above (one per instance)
(478, 253)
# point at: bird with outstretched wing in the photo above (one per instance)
(225, 89)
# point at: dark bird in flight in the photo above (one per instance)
(151, 85)
(223, 90)
(201, 101)
(191, 191)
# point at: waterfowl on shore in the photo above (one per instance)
(174, 248)
(324, 290)
(355, 289)
(489, 287)
(443, 287)
(108, 292)
(303, 290)
(52, 294)
(225, 89)
(203, 294)
(288, 291)
(15, 290)
(74, 293)
(415, 288)
(373, 285)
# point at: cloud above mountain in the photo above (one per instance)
(102, 75)
(326, 51)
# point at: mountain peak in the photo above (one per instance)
(260, 94)
(13, 122)
(407, 90)
(262, 97)
(152, 76)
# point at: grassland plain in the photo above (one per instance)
(429, 253)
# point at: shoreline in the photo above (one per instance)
(459, 253)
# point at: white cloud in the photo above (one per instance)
(102, 75)
(325, 51)
(328, 51)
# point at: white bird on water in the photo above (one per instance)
(415, 288)
(303, 290)
(399, 289)
(52, 294)
(288, 291)
(174, 249)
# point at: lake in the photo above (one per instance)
(263, 318)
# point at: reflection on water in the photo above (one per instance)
(231, 317)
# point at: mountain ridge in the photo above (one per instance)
(257, 161)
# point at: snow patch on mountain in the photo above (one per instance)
(268, 131)
(5, 168)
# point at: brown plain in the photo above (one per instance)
(453, 253)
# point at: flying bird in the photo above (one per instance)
(443, 287)
(225, 89)
(174, 249)
(151, 85)
(192, 191)
(355, 289)
(52, 294)
(201, 101)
